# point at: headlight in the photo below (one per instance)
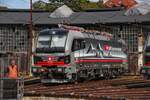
(42, 70)
(143, 71)
(60, 69)
(34, 70)
(49, 70)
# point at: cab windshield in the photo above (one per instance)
(51, 41)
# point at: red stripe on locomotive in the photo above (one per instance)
(102, 60)
(50, 63)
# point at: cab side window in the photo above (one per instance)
(78, 44)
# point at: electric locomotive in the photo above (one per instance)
(145, 70)
(69, 53)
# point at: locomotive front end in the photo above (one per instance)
(50, 60)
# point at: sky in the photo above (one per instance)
(22, 4)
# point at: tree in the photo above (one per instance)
(39, 5)
(51, 5)
(75, 5)
(91, 5)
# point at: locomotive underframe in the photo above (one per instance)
(81, 71)
(99, 70)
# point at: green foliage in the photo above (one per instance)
(75, 5)
(87, 5)
(39, 5)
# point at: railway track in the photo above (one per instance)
(97, 89)
(31, 80)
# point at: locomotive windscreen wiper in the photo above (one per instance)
(52, 40)
(53, 44)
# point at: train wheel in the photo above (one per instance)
(75, 78)
(78, 78)
(97, 76)
(113, 75)
(89, 77)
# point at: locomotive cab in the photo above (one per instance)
(51, 59)
(56, 55)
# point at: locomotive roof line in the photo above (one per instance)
(85, 30)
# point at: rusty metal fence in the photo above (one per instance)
(14, 41)
(21, 62)
(13, 38)
(10, 89)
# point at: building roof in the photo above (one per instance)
(42, 17)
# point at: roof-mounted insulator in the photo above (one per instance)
(106, 34)
(71, 27)
(84, 30)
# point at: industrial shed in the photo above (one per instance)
(14, 30)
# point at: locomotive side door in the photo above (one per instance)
(78, 46)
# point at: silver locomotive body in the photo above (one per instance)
(67, 55)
